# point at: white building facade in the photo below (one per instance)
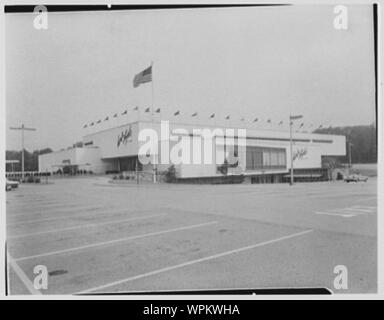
(265, 153)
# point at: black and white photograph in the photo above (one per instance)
(191, 149)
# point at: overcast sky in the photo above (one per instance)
(254, 62)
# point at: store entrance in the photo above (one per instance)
(129, 164)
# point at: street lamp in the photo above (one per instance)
(291, 118)
(22, 128)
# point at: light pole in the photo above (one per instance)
(291, 118)
(22, 128)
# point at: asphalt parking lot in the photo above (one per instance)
(97, 237)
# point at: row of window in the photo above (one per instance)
(260, 158)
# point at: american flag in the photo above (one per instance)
(143, 77)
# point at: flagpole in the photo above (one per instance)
(153, 95)
(152, 115)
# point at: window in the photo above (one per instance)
(260, 158)
(232, 155)
(266, 158)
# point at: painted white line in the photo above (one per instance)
(351, 210)
(360, 210)
(341, 214)
(348, 212)
(84, 226)
(188, 263)
(22, 276)
(47, 211)
(40, 210)
(37, 205)
(99, 244)
(23, 201)
(365, 207)
(74, 215)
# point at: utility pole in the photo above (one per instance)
(350, 153)
(291, 118)
(22, 128)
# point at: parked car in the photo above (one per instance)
(355, 178)
(9, 184)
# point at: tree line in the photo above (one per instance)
(363, 141)
(31, 162)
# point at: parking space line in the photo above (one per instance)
(84, 226)
(359, 210)
(337, 214)
(22, 276)
(348, 212)
(74, 215)
(188, 263)
(99, 244)
(56, 209)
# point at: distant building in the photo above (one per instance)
(266, 157)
